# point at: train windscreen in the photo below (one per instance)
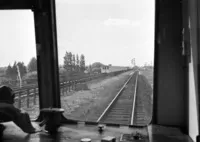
(18, 65)
(106, 56)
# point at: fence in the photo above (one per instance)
(31, 91)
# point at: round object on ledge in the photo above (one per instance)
(51, 119)
(85, 140)
(101, 128)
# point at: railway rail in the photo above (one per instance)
(141, 116)
(122, 108)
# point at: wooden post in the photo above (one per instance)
(19, 100)
(63, 87)
(75, 85)
(72, 85)
(27, 98)
(69, 86)
(34, 101)
(65, 90)
(66, 87)
(73, 82)
(61, 92)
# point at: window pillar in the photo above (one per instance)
(47, 54)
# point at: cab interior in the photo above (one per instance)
(176, 74)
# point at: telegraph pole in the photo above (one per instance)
(133, 62)
(19, 76)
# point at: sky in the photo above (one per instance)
(106, 31)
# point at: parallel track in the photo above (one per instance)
(121, 108)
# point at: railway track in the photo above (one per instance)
(141, 116)
(121, 109)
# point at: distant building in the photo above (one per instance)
(86, 71)
(109, 69)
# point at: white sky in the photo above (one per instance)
(107, 31)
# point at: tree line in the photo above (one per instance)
(74, 63)
(12, 73)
